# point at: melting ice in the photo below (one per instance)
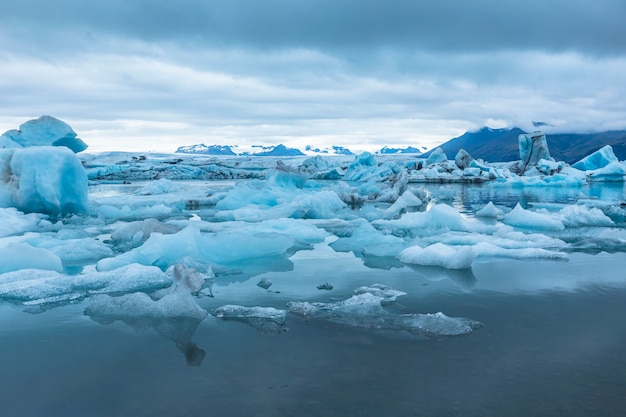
(120, 230)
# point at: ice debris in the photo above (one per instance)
(265, 319)
(264, 283)
(365, 309)
(325, 286)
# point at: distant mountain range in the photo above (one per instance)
(501, 145)
(282, 150)
(491, 145)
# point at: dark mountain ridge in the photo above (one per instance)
(501, 145)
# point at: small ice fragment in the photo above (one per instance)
(325, 286)
(379, 290)
(231, 311)
(489, 211)
(264, 283)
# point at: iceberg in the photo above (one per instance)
(532, 148)
(463, 159)
(43, 179)
(437, 156)
(599, 159)
(44, 131)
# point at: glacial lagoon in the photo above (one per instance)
(548, 342)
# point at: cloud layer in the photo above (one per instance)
(153, 75)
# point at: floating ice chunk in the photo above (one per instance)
(579, 216)
(177, 301)
(43, 179)
(519, 217)
(128, 278)
(437, 156)
(109, 212)
(439, 254)
(265, 319)
(599, 159)
(220, 248)
(486, 249)
(386, 293)
(236, 311)
(161, 186)
(364, 310)
(440, 216)
(365, 239)
(614, 171)
(365, 168)
(549, 167)
(405, 201)
(45, 131)
(73, 251)
(39, 286)
(175, 315)
(321, 168)
(20, 255)
(264, 283)
(463, 159)
(13, 222)
(489, 211)
(132, 234)
(434, 325)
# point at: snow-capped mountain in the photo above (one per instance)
(409, 149)
(332, 150)
(209, 150)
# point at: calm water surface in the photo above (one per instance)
(552, 344)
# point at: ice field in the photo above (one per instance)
(340, 285)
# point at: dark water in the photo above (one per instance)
(552, 345)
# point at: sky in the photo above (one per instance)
(152, 75)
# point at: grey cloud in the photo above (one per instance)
(590, 26)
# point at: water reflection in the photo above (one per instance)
(180, 330)
(462, 278)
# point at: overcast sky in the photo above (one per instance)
(142, 75)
